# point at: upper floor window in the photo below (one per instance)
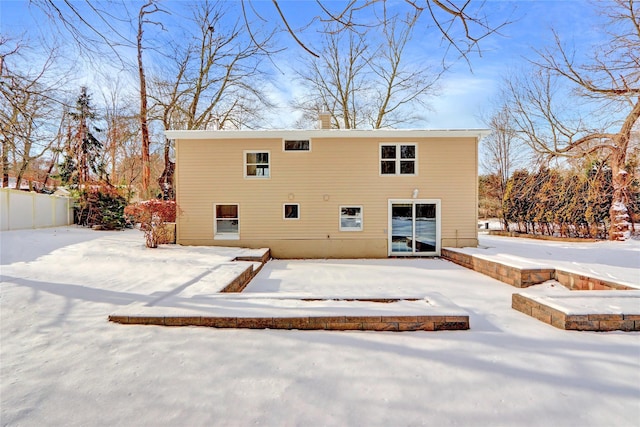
(256, 164)
(397, 159)
(297, 145)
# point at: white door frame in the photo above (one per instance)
(435, 202)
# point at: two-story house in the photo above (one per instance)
(328, 193)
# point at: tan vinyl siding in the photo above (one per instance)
(336, 172)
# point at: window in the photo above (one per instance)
(350, 218)
(226, 222)
(256, 164)
(291, 211)
(397, 159)
(297, 145)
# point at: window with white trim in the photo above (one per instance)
(256, 164)
(350, 218)
(297, 145)
(398, 159)
(291, 211)
(226, 222)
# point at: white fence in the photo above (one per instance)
(22, 209)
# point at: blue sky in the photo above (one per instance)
(467, 92)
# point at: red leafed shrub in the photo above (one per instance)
(153, 216)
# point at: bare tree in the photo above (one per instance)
(30, 109)
(336, 81)
(364, 81)
(502, 151)
(462, 25)
(213, 81)
(122, 126)
(147, 9)
(96, 28)
(399, 83)
(608, 80)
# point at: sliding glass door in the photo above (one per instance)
(414, 227)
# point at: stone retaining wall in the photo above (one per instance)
(241, 282)
(330, 323)
(514, 276)
(581, 322)
(541, 236)
(578, 282)
(525, 277)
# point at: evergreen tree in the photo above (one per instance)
(83, 150)
(516, 203)
(598, 196)
(546, 201)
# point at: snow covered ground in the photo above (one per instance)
(62, 363)
(614, 261)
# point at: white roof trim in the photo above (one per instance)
(326, 133)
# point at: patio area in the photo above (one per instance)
(63, 363)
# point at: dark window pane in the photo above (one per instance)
(251, 157)
(296, 145)
(427, 211)
(262, 158)
(350, 212)
(388, 167)
(408, 151)
(291, 211)
(388, 151)
(407, 167)
(226, 211)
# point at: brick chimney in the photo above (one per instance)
(324, 119)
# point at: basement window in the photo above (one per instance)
(350, 218)
(226, 223)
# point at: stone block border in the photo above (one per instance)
(241, 282)
(576, 322)
(514, 276)
(540, 236)
(580, 282)
(525, 277)
(329, 323)
(396, 323)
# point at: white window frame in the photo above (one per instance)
(284, 145)
(284, 211)
(361, 216)
(223, 235)
(414, 202)
(245, 163)
(398, 158)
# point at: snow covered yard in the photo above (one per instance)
(62, 363)
(615, 261)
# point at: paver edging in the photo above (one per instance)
(329, 323)
(241, 281)
(525, 277)
(511, 275)
(596, 322)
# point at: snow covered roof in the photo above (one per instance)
(327, 133)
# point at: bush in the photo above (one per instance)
(152, 215)
(101, 206)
